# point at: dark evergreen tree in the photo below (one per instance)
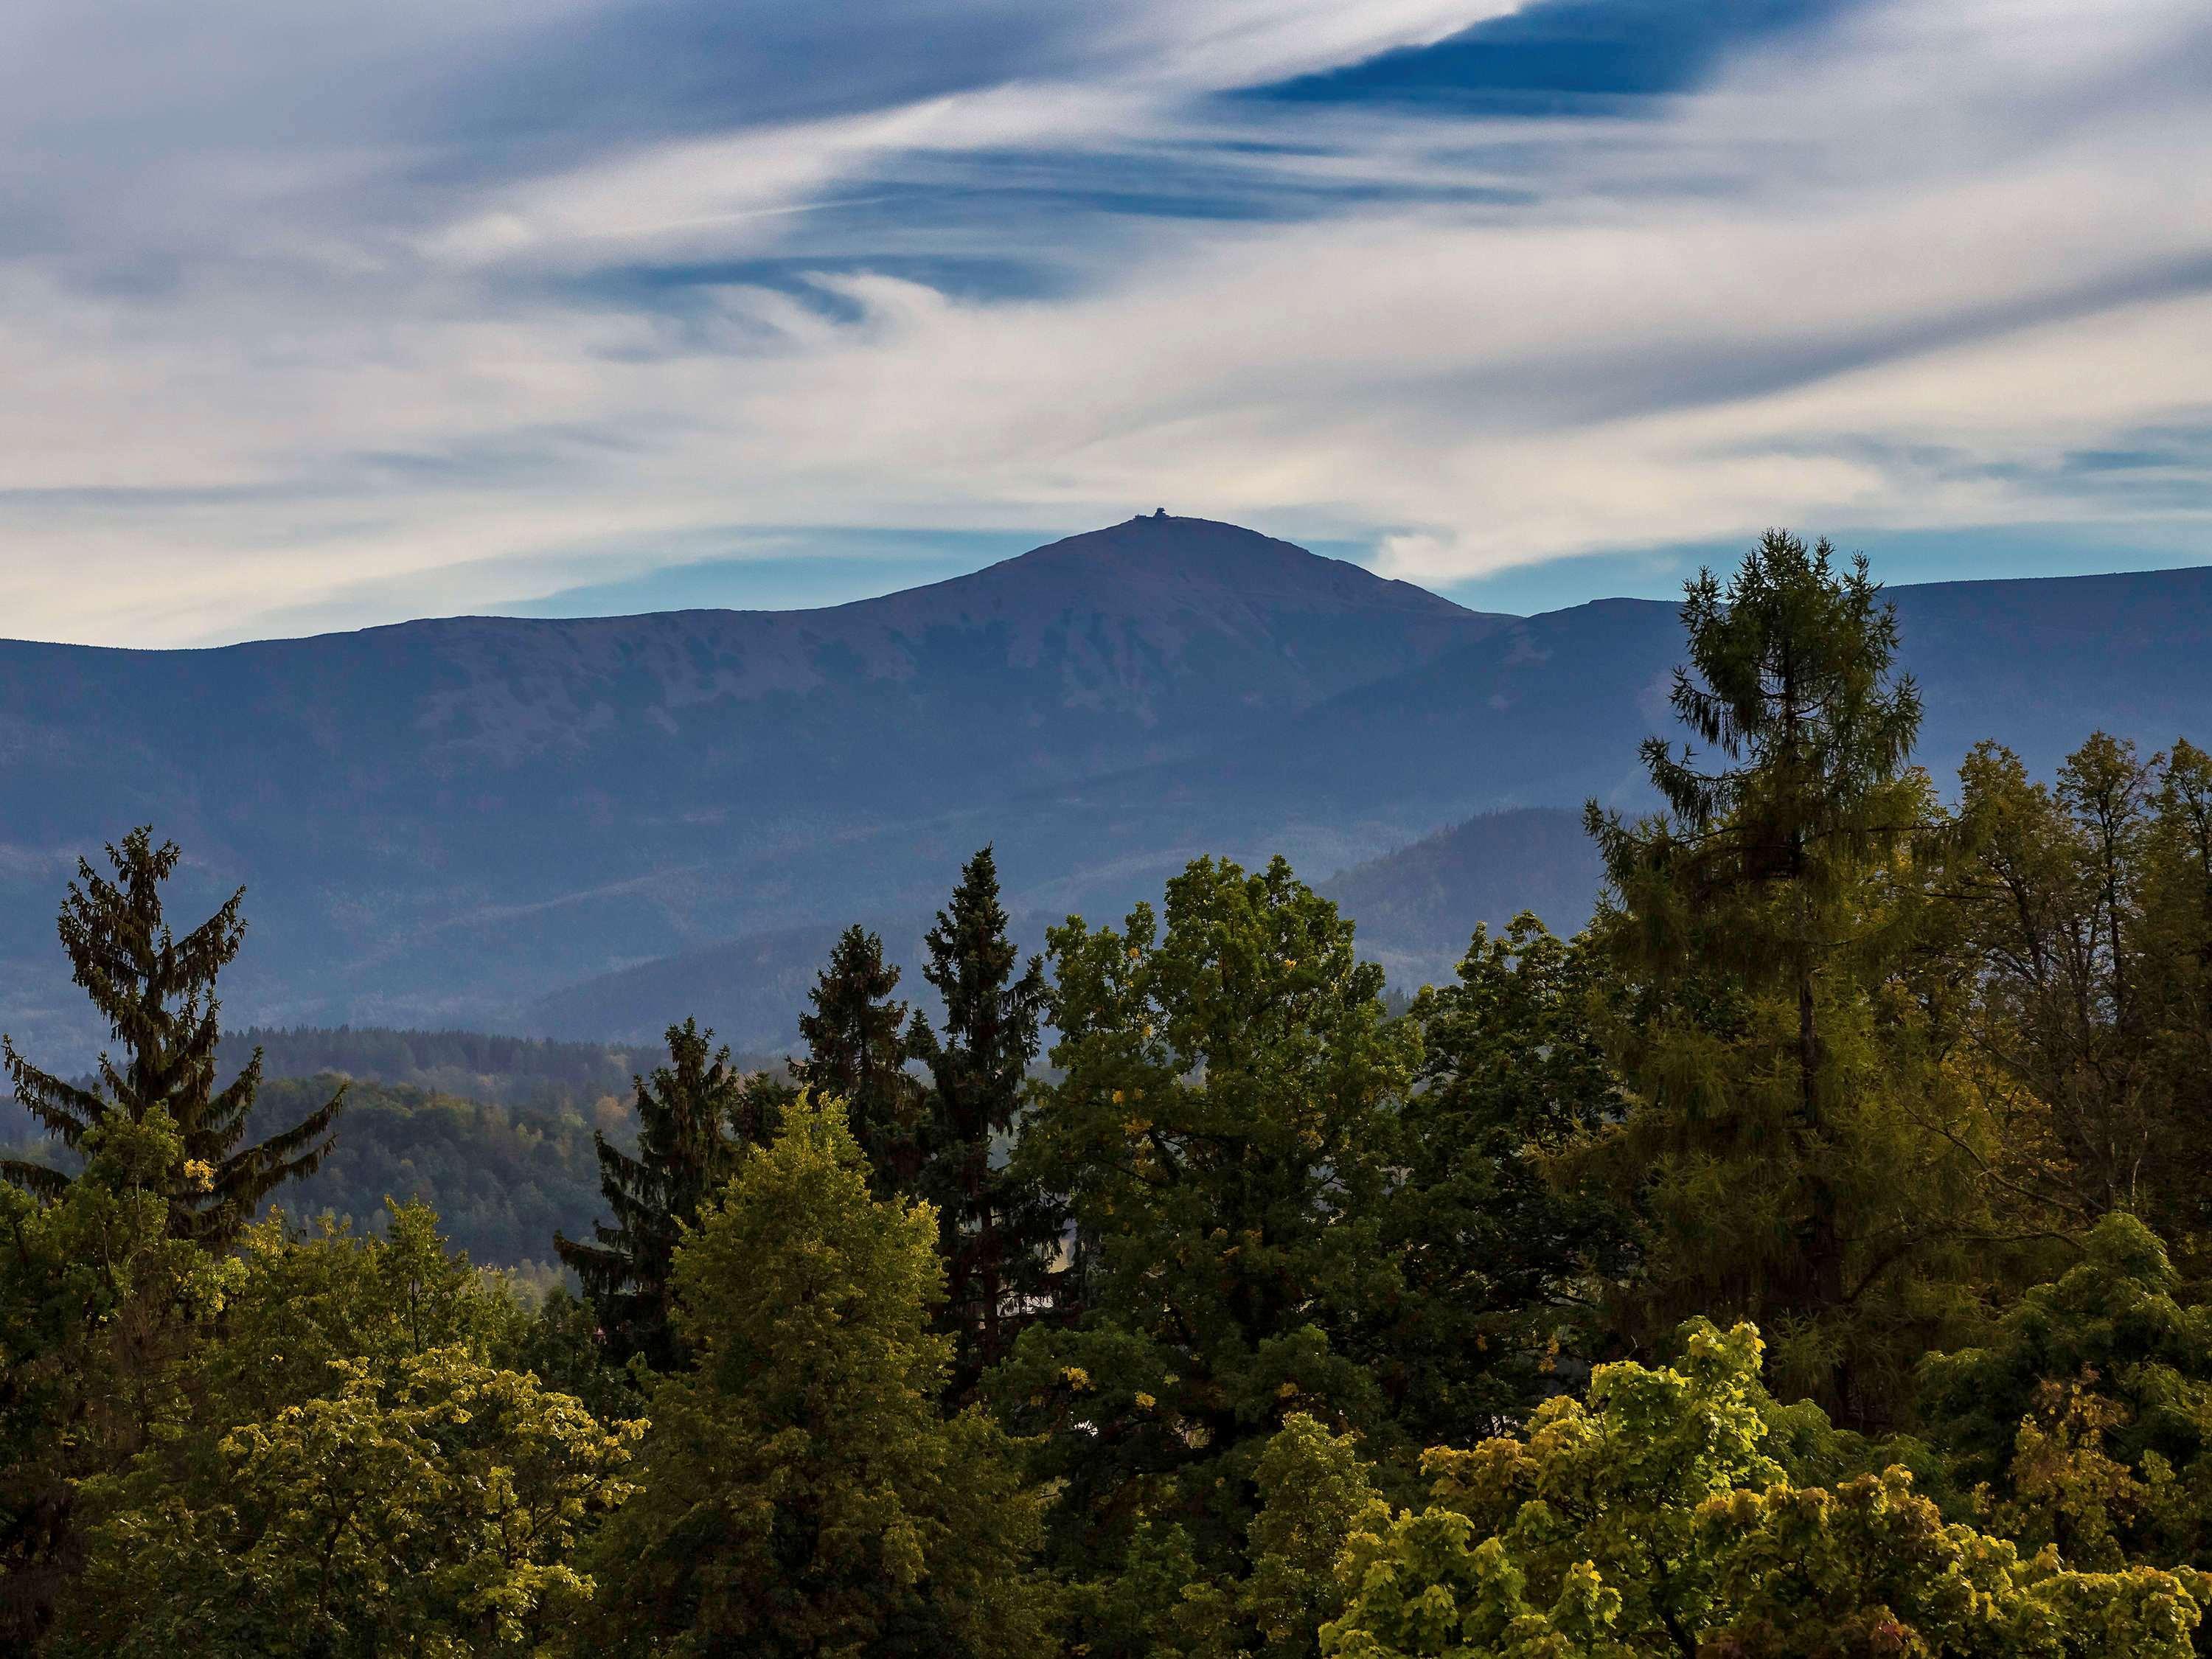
(1795, 1137)
(157, 994)
(856, 1051)
(1503, 1267)
(999, 1231)
(696, 1116)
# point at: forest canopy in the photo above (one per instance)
(1809, 1257)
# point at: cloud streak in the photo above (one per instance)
(408, 347)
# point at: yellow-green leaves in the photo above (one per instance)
(1654, 1521)
(801, 1491)
(436, 1510)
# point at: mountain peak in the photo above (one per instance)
(1159, 560)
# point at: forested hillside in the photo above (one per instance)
(1809, 1257)
(537, 1074)
(1415, 907)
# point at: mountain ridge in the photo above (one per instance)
(424, 808)
(442, 820)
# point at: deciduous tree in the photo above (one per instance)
(1674, 1516)
(1507, 1272)
(2085, 1419)
(348, 1469)
(803, 1491)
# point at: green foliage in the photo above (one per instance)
(347, 1468)
(857, 1044)
(1800, 1151)
(1226, 1125)
(1670, 1516)
(502, 1181)
(1583, 1528)
(802, 1492)
(2082, 914)
(429, 1506)
(2173, 931)
(1316, 1493)
(306, 1303)
(99, 1302)
(694, 1117)
(1504, 1271)
(997, 1228)
(2086, 1420)
(157, 994)
(1871, 1567)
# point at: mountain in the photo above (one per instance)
(441, 819)
(749, 989)
(582, 829)
(1415, 908)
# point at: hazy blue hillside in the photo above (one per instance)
(560, 827)
(442, 817)
(752, 989)
(1548, 711)
(1417, 907)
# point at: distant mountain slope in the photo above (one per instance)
(1544, 710)
(453, 822)
(1417, 908)
(752, 989)
(533, 1074)
(436, 817)
(1548, 710)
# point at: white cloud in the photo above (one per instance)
(1839, 286)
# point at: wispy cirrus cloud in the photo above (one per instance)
(442, 308)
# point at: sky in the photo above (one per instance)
(315, 317)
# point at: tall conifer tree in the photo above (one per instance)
(857, 1049)
(695, 1115)
(1785, 1092)
(998, 1230)
(156, 992)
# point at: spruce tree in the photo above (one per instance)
(157, 993)
(857, 1042)
(696, 1115)
(998, 1229)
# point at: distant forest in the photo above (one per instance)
(1811, 1258)
(534, 1072)
(493, 1133)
